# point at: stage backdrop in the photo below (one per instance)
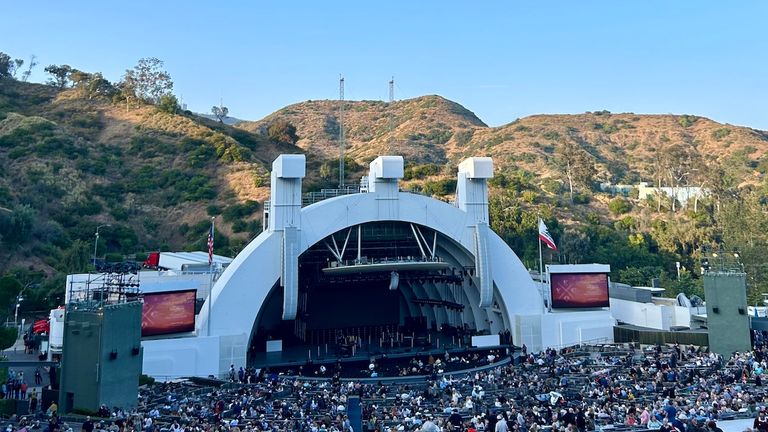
(579, 290)
(168, 312)
(352, 304)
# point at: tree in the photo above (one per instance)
(31, 65)
(17, 64)
(10, 287)
(220, 112)
(744, 228)
(8, 336)
(76, 258)
(59, 74)
(5, 65)
(9, 67)
(99, 86)
(579, 166)
(574, 246)
(16, 226)
(282, 131)
(168, 103)
(680, 162)
(148, 80)
(126, 90)
(91, 85)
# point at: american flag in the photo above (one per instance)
(210, 245)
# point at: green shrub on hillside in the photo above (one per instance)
(551, 135)
(240, 211)
(87, 207)
(552, 186)
(16, 225)
(90, 121)
(227, 149)
(213, 210)
(439, 136)
(529, 196)
(721, 133)
(60, 146)
(605, 127)
(581, 198)
(118, 212)
(639, 276)
(239, 226)
(19, 131)
(440, 187)
(200, 156)
(421, 171)
(687, 120)
(463, 137)
(619, 206)
(176, 184)
(626, 223)
(91, 166)
(282, 132)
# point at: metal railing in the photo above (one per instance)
(368, 261)
(310, 198)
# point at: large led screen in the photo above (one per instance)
(168, 312)
(579, 290)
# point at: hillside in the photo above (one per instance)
(626, 147)
(431, 129)
(425, 129)
(72, 163)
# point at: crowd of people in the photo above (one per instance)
(380, 366)
(669, 388)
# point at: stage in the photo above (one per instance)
(355, 363)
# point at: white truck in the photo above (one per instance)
(56, 336)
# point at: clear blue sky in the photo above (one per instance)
(501, 59)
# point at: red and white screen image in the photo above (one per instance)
(579, 290)
(168, 312)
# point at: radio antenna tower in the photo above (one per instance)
(341, 132)
(390, 146)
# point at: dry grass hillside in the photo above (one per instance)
(624, 148)
(427, 129)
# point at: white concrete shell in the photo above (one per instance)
(225, 323)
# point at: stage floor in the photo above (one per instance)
(302, 354)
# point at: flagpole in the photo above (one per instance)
(541, 263)
(541, 260)
(210, 280)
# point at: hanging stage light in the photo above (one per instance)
(394, 280)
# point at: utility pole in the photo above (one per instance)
(96, 242)
(341, 132)
(390, 145)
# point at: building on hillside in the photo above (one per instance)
(617, 189)
(683, 194)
